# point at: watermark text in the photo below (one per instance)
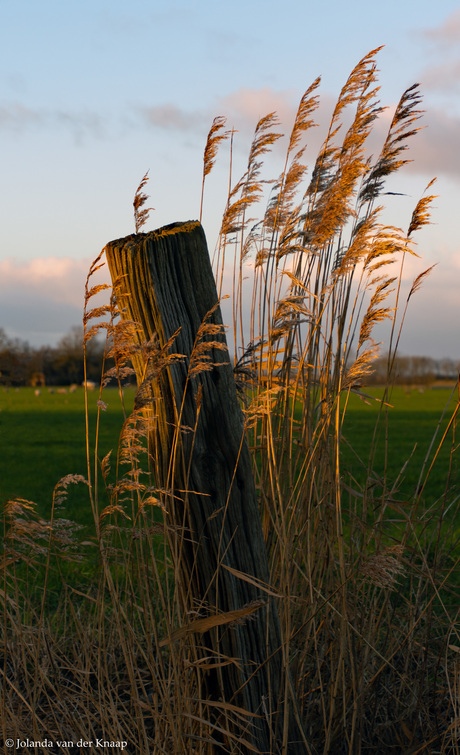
(67, 744)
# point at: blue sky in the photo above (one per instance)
(94, 93)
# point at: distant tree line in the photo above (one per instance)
(414, 370)
(22, 364)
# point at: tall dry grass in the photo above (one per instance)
(366, 580)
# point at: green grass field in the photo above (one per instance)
(42, 438)
(406, 436)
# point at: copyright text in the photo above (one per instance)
(67, 744)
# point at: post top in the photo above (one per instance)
(169, 229)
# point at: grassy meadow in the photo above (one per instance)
(43, 439)
(406, 435)
(356, 499)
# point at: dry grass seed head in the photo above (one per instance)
(419, 281)
(384, 568)
(361, 242)
(348, 158)
(374, 313)
(308, 104)
(141, 215)
(249, 187)
(361, 368)
(94, 267)
(201, 356)
(212, 143)
(28, 535)
(135, 430)
(210, 151)
(280, 205)
(60, 490)
(421, 215)
(386, 241)
(105, 465)
(389, 161)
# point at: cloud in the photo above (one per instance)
(81, 124)
(114, 21)
(434, 150)
(59, 278)
(42, 298)
(17, 117)
(443, 73)
(244, 107)
(446, 34)
(431, 324)
(444, 77)
(170, 116)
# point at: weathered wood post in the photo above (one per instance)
(170, 285)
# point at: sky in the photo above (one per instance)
(95, 93)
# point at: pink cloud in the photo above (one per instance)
(434, 149)
(169, 116)
(43, 298)
(16, 116)
(60, 279)
(444, 77)
(447, 33)
(442, 74)
(245, 107)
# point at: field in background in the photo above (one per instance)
(42, 439)
(408, 434)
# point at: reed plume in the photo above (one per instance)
(141, 215)
(210, 151)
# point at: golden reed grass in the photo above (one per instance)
(365, 581)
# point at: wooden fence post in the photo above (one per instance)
(170, 285)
